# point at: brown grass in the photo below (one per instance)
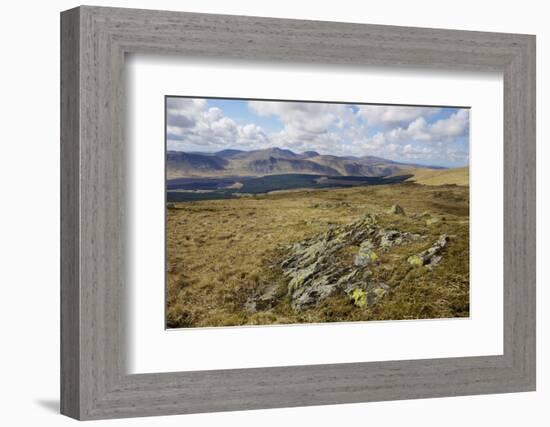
(456, 176)
(219, 252)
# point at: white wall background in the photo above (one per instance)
(29, 224)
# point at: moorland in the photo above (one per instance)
(266, 240)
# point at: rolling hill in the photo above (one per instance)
(179, 163)
(276, 161)
(456, 176)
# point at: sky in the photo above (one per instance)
(423, 135)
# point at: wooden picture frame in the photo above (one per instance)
(94, 382)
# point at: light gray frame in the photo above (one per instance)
(94, 41)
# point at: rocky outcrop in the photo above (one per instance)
(389, 238)
(312, 268)
(366, 254)
(342, 261)
(315, 272)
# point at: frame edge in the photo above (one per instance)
(70, 395)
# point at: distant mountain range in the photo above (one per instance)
(276, 161)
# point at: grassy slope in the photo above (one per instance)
(456, 176)
(220, 251)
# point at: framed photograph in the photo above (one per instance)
(301, 220)
(262, 213)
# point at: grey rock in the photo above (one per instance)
(431, 257)
(376, 293)
(366, 254)
(389, 238)
(370, 295)
(266, 300)
(311, 268)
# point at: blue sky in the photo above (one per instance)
(423, 135)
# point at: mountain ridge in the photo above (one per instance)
(275, 160)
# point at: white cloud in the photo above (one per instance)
(192, 125)
(182, 106)
(388, 114)
(455, 125)
(310, 126)
(399, 133)
(420, 130)
(419, 140)
(253, 136)
(305, 117)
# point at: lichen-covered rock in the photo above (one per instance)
(396, 210)
(369, 296)
(376, 293)
(340, 260)
(306, 297)
(416, 260)
(359, 297)
(431, 256)
(389, 238)
(311, 267)
(366, 254)
(263, 301)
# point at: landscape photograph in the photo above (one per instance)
(292, 212)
